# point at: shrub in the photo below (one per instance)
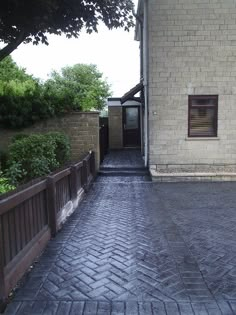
(5, 185)
(22, 104)
(62, 149)
(36, 155)
(19, 137)
(21, 97)
(15, 173)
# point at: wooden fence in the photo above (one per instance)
(28, 218)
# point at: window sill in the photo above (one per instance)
(202, 138)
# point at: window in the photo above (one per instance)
(203, 112)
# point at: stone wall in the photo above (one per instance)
(115, 127)
(192, 51)
(82, 129)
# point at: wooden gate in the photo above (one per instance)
(104, 137)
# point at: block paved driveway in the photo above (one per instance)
(137, 247)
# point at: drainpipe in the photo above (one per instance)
(145, 79)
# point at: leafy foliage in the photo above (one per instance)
(9, 71)
(36, 155)
(62, 146)
(4, 184)
(15, 173)
(21, 98)
(80, 87)
(24, 100)
(19, 136)
(30, 21)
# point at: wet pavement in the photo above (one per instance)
(137, 247)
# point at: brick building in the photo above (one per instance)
(188, 71)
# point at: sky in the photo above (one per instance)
(115, 52)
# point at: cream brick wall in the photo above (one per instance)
(192, 51)
(81, 127)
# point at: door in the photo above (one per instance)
(131, 126)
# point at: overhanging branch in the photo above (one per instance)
(8, 49)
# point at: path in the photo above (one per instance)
(137, 247)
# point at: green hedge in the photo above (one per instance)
(36, 155)
(62, 146)
(4, 184)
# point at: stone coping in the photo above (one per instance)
(187, 174)
(194, 176)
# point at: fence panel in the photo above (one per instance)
(29, 217)
(23, 232)
(63, 190)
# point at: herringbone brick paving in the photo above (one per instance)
(140, 248)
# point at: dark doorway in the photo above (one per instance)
(104, 137)
(131, 126)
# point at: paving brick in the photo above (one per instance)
(64, 308)
(199, 308)
(13, 308)
(90, 308)
(51, 308)
(145, 308)
(137, 245)
(104, 308)
(185, 309)
(132, 308)
(77, 308)
(118, 308)
(171, 308)
(33, 307)
(158, 308)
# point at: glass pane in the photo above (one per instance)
(202, 122)
(131, 118)
(203, 102)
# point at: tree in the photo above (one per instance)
(30, 21)
(80, 87)
(21, 97)
(10, 71)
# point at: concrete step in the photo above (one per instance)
(123, 171)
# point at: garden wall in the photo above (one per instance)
(81, 127)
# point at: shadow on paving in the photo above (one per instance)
(137, 247)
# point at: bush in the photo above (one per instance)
(21, 97)
(62, 149)
(36, 155)
(4, 184)
(15, 173)
(22, 104)
(19, 137)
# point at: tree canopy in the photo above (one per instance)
(10, 71)
(21, 97)
(25, 100)
(30, 21)
(80, 86)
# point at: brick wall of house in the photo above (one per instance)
(82, 129)
(115, 127)
(192, 51)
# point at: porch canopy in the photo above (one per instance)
(130, 94)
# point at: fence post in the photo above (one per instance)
(74, 182)
(85, 175)
(51, 205)
(2, 278)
